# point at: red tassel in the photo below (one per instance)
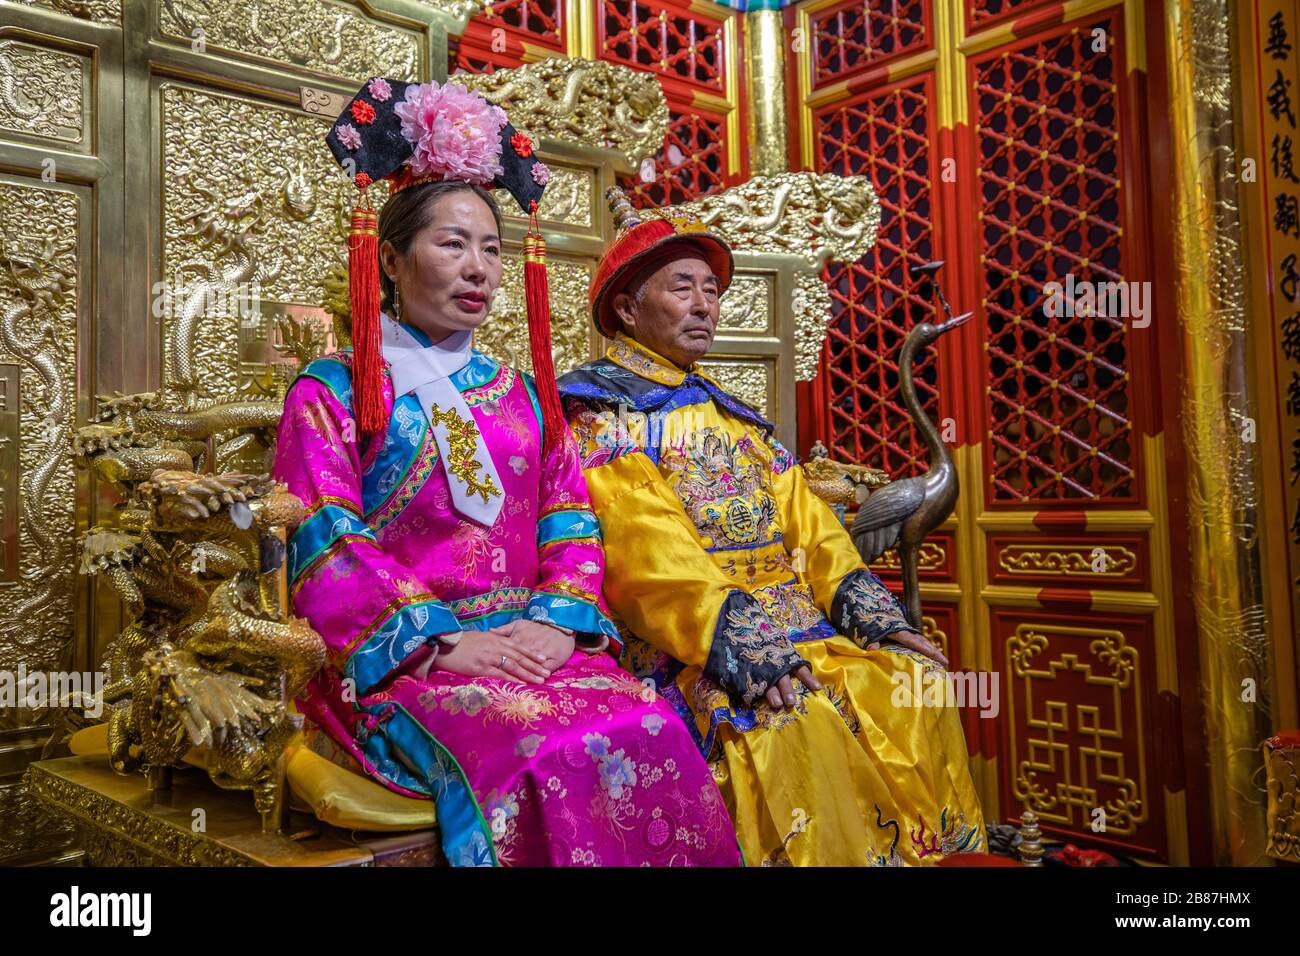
(537, 297)
(363, 287)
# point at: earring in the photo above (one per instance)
(397, 304)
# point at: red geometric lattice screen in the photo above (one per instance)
(683, 46)
(1046, 128)
(495, 38)
(883, 135)
(866, 33)
(686, 49)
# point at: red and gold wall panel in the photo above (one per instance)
(1010, 139)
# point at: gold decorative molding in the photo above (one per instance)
(581, 102)
(568, 198)
(504, 336)
(326, 38)
(1067, 560)
(810, 304)
(96, 11)
(929, 558)
(1066, 739)
(746, 306)
(816, 217)
(751, 381)
(42, 92)
(39, 293)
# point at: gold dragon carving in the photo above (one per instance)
(585, 102)
(815, 217)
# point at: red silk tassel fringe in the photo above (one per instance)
(363, 289)
(537, 297)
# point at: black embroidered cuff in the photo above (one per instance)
(865, 610)
(750, 652)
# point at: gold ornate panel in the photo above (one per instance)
(44, 94)
(96, 11)
(753, 380)
(746, 307)
(505, 334)
(1077, 727)
(41, 249)
(332, 39)
(261, 233)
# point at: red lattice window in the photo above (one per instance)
(691, 163)
(884, 135)
(849, 38)
(1046, 121)
(669, 40)
(495, 38)
(981, 12)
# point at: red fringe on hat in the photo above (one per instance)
(555, 428)
(363, 289)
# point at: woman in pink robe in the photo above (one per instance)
(468, 663)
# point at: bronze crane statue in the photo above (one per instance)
(904, 512)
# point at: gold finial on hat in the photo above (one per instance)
(625, 216)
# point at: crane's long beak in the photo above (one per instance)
(952, 323)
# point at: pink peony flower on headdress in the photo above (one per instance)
(380, 89)
(349, 136)
(541, 174)
(456, 132)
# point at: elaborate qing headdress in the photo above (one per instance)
(640, 246)
(412, 133)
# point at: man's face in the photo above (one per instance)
(674, 311)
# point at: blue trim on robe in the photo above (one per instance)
(319, 533)
(571, 612)
(401, 743)
(405, 630)
(609, 384)
(567, 526)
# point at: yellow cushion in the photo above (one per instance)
(351, 801)
(335, 795)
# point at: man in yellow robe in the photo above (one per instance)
(742, 595)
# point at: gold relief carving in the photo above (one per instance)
(504, 336)
(583, 102)
(567, 198)
(1076, 743)
(930, 558)
(749, 381)
(10, 440)
(118, 835)
(810, 303)
(27, 828)
(239, 234)
(41, 91)
(746, 306)
(96, 11)
(815, 216)
(329, 39)
(930, 628)
(1086, 560)
(38, 334)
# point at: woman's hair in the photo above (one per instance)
(411, 210)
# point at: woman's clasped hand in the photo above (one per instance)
(523, 650)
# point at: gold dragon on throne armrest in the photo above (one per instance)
(209, 657)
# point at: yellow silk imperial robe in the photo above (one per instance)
(726, 571)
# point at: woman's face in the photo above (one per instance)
(451, 271)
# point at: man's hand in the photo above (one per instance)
(548, 645)
(916, 642)
(783, 693)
